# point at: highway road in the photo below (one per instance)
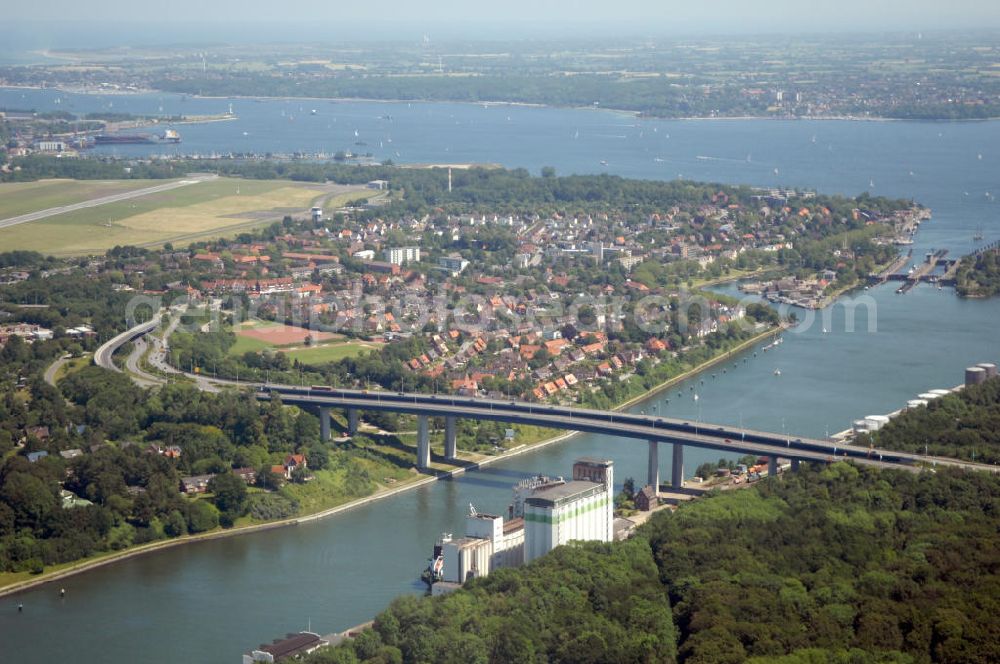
(158, 360)
(134, 365)
(103, 355)
(157, 356)
(104, 200)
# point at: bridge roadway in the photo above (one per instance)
(651, 428)
(102, 357)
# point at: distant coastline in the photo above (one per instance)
(621, 111)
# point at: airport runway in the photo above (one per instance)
(104, 200)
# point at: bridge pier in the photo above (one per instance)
(423, 443)
(352, 420)
(795, 465)
(324, 424)
(653, 466)
(677, 467)
(450, 448)
(772, 466)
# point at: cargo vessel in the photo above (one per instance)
(168, 136)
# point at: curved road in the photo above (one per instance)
(157, 356)
(103, 355)
(104, 200)
(134, 365)
(50, 373)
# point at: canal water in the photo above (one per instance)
(210, 601)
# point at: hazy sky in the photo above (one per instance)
(541, 16)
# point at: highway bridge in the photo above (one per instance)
(652, 429)
(103, 355)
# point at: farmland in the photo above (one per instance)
(200, 211)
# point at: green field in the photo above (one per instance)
(73, 366)
(248, 345)
(17, 198)
(330, 353)
(199, 211)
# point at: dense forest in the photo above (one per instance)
(833, 565)
(133, 491)
(965, 425)
(979, 275)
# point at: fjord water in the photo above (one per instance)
(210, 601)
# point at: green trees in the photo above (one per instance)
(965, 425)
(30, 498)
(836, 560)
(841, 565)
(201, 516)
(979, 276)
(125, 470)
(230, 494)
(582, 603)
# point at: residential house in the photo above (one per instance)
(195, 483)
(248, 475)
(646, 499)
(293, 462)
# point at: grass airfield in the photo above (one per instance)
(205, 210)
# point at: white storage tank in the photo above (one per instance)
(876, 422)
(974, 376)
(860, 426)
(989, 368)
(915, 403)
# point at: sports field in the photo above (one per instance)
(276, 334)
(204, 210)
(256, 336)
(322, 353)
